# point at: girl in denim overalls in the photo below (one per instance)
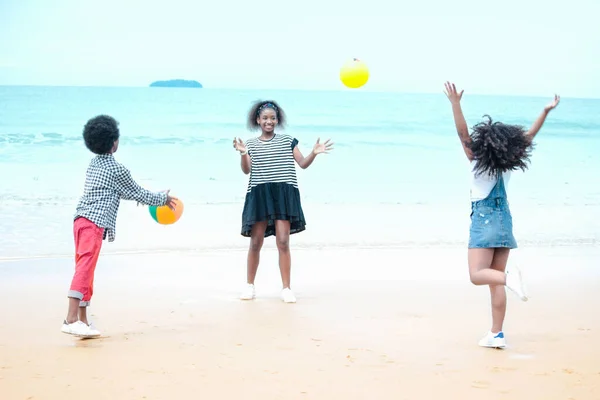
(494, 150)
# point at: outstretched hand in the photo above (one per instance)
(553, 104)
(171, 200)
(452, 94)
(322, 147)
(239, 145)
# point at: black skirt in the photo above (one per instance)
(270, 202)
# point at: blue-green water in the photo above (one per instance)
(390, 148)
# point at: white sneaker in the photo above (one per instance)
(79, 329)
(514, 282)
(93, 329)
(494, 340)
(249, 293)
(288, 296)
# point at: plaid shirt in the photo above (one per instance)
(106, 183)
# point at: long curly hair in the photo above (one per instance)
(258, 107)
(499, 147)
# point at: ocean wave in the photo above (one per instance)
(40, 138)
(389, 134)
(57, 139)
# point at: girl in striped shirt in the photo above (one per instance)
(272, 206)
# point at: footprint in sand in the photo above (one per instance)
(480, 384)
(522, 356)
(502, 369)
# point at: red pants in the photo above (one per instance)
(88, 241)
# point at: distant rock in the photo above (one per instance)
(177, 83)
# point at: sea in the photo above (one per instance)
(397, 175)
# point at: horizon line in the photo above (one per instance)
(342, 89)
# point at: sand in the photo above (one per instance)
(369, 324)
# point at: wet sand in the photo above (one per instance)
(369, 324)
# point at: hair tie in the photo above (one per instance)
(265, 106)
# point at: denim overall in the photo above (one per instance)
(491, 221)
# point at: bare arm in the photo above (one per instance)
(245, 162)
(462, 129)
(537, 125)
(459, 119)
(305, 162)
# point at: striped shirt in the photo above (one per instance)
(272, 161)
(107, 183)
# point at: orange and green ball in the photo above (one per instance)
(164, 215)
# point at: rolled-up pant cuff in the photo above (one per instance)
(74, 294)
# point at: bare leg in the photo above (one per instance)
(498, 292)
(480, 261)
(282, 233)
(72, 314)
(83, 315)
(256, 241)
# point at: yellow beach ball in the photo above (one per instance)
(354, 73)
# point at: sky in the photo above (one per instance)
(514, 47)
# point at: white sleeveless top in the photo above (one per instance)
(482, 185)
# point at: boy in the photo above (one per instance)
(106, 183)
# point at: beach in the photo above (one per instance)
(368, 324)
(385, 308)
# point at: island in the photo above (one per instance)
(177, 83)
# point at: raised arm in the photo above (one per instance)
(537, 125)
(245, 162)
(459, 119)
(128, 189)
(304, 162)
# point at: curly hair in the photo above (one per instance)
(258, 107)
(100, 134)
(499, 147)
